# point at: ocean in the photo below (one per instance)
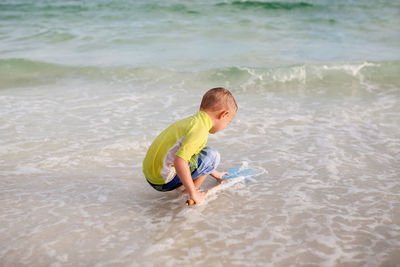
(85, 87)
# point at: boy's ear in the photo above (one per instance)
(223, 113)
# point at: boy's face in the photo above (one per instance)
(224, 118)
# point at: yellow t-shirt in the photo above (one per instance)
(185, 138)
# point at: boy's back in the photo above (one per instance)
(184, 138)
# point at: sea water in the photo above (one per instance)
(85, 86)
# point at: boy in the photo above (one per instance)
(179, 155)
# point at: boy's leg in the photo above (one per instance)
(207, 162)
(199, 180)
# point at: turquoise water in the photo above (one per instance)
(199, 34)
(85, 86)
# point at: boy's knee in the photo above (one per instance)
(212, 155)
(207, 161)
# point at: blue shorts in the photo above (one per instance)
(207, 162)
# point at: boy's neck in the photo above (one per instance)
(214, 117)
(212, 114)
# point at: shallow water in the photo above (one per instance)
(319, 123)
(326, 194)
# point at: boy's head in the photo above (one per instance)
(220, 104)
(218, 99)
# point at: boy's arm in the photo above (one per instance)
(183, 171)
(218, 175)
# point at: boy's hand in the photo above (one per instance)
(218, 175)
(198, 197)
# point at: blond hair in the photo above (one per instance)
(217, 99)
